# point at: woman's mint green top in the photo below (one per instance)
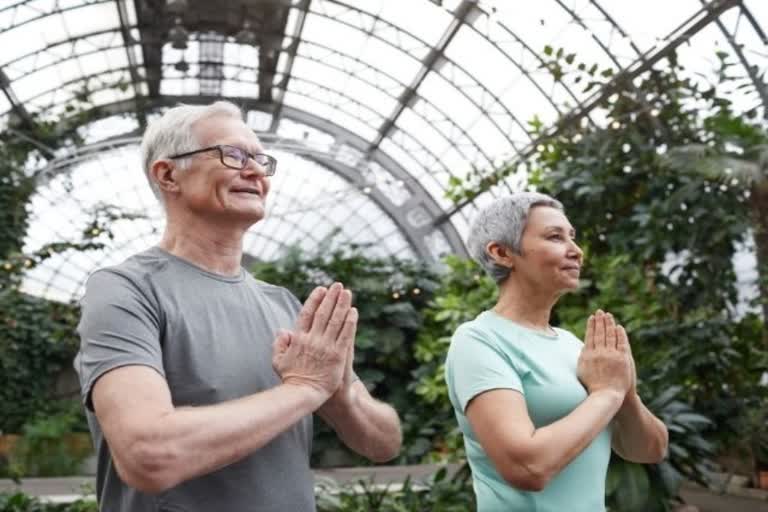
(492, 352)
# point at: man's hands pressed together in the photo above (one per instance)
(317, 353)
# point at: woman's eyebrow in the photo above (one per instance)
(561, 229)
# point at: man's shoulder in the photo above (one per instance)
(136, 265)
(275, 292)
(135, 271)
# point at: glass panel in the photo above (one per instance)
(399, 63)
(424, 19)
(324, 104)
(345, 83)
(16, 13)
(240, 89)
(242, 55)
(635, 18)
(448, 98)
(108, 128)
(90, 18)
(130, 8)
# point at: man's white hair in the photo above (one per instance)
(173, 133)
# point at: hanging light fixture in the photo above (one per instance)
(182, 65)
(246, 35)
(178, 35)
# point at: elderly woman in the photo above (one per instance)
(539, 409)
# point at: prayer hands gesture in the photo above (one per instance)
(606, 358)
(318, 352)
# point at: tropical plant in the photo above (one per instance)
(50, 446)
(464, 291)
(37, 343)
(20, 502)
(439, 493)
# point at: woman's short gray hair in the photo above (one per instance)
(503, 221)
(172, 133)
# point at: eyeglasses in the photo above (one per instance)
(237, 158)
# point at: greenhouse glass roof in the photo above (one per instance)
(373, 107)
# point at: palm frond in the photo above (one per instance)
(706, 162)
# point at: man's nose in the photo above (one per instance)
(252, 168)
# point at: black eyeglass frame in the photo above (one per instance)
(269, 169)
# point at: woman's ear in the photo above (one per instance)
(501, 254)
(163, 173)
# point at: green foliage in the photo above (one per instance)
(19, 502)
(390, 296)
(50, 446)
(439, 494)
(464, 291)
(37, 342)
(661, 237)
(660, 240)
(662, 193)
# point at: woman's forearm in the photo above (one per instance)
(553, 447)
(639, 435)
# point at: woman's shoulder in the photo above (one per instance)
(479, 326)
(568, 336)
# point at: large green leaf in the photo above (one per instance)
(630, 485)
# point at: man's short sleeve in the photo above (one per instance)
(119, 326)
(474, 365)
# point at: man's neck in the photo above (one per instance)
(217, 249)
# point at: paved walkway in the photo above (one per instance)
(66, 489)
(71, 488)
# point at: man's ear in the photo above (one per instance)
(501, 254)
(164, 174)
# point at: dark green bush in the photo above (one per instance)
(37, 342)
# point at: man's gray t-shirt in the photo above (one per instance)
(210, 337)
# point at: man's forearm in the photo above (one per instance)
(639, 436)
(191, 441)
(366, 425)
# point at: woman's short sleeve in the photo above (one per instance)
(474, 365)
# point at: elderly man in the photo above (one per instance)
(199, 380)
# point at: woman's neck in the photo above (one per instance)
(525, 306)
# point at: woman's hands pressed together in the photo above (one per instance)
(605, 363)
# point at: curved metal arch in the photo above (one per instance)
(56, 11)
(605, 49)
(360, 105)
(409, 135)
(84, 79)
(420, 200)
(760, 86)
(616, 25)
(72, 57)
(519, 66)
(291, 51)
(65, 164)
(427, 45)
(388, 93)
